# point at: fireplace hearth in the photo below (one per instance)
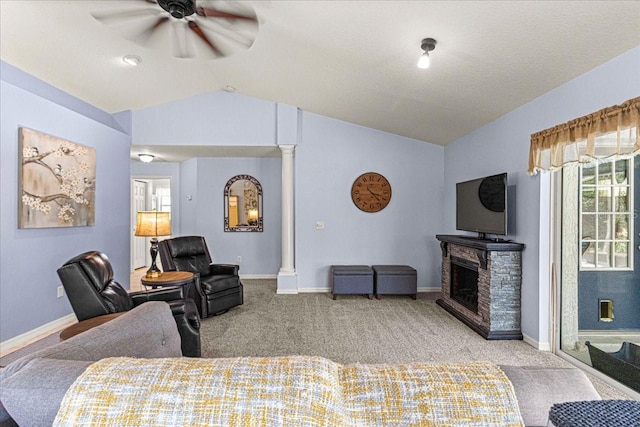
(481, 284)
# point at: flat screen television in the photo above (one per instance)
(481, 205)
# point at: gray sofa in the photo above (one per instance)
(31, 388)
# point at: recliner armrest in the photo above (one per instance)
(169, 293)
(231, 269)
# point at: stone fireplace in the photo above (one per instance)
(481, 284)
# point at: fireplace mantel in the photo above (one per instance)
(499, 276)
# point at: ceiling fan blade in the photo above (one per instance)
(215, 13)
(196, 29)
(144, 35)
(110, 16)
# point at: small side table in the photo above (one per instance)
(86, 324)
(169, 278)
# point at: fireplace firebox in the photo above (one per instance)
(464, 283)
(481, 281)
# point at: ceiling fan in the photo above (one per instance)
(194, 27)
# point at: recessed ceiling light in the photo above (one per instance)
(132, 60)
(146, 158)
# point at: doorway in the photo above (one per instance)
(147, 194)
(597, 257)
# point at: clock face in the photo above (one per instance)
(491, 193)
(371, 192)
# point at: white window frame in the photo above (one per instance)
(612, 188)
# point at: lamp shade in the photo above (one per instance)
(153, 224)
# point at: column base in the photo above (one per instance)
(287, 283)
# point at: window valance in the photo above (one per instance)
(612, 131)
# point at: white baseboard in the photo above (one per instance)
(430, 289)
(328, 289)
(258, 276)
(14, 343)
(542, 346)
(322, 290)
(287, 292)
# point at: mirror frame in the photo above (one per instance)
(227, 188)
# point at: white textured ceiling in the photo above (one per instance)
(351, 60)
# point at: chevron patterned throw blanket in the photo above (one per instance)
(287, 391)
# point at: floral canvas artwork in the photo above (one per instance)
(57, 182)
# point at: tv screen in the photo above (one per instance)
(481, 205)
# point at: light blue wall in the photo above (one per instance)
(205, 179)
(329, 158)
(260, 252)
(216, 118)
(29, 258)
(503, 146)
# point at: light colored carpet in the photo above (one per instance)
(354, 329)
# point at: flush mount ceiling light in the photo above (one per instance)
(427, 45)
(146, 158)
(132, 60)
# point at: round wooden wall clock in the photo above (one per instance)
(371, 192)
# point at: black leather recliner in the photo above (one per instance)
(218, 287)
(92, 291)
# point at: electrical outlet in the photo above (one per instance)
(239, 259)
(60, 291)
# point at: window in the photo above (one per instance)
(606, 220)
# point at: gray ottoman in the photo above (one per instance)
(395, 280)
(351, 279)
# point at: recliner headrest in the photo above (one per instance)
(187, 246)
(97, 267)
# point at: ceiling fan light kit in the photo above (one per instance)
(427, 46)
(178, 8)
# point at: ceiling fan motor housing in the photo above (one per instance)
(178, 8)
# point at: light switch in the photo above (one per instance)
(319, 225)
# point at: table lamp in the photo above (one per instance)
(153, 224)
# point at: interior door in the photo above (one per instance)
(139, 243)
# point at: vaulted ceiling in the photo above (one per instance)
(350, 60)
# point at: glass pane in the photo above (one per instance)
(604, 199)
(588, 175)
(604, 173)
(622, 227)
(588, 227)
(621, 258)
(602, 255)
(588, 199)
(604, 226)
(588, 258)
(622, 171)
(621, 199)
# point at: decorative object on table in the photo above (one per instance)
(203, 28)
(371, 192)
(57, 182)
(243, 204)
(153, 224)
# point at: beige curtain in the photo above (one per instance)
(612, 131)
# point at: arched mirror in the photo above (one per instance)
(243, 204)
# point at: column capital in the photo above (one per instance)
(287, 148)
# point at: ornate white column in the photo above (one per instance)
(287, 280)
(287, 209)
